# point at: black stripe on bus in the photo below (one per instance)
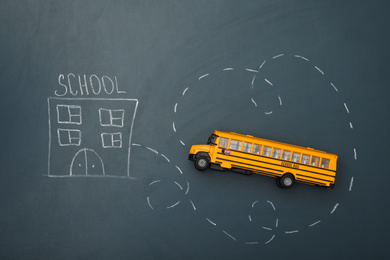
(259, 155)
(310, 182)
(271, 174)
(277, 164)
(258, 171)
(250, 165)
(313, 178)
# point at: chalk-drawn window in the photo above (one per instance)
(256, 149)
(296, 157)
(325, 163)
(305, 158)
(247, 147)
(69, 114)
(235, 144)
(276, 153)
(111, 140)
(223, 142)
(68, 137)
(111, 117)
(267, 151)
(286, 155)
(315, 161)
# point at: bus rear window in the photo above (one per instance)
(234, 144)
(223, 142)
(325, 163)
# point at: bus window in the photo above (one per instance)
(305, 158)
(247, 147)
(315, 161)
(223, 142)
(296, 157)
(286, 155)
(234, 144)
(257, 149)
(325, 163)
(276, 153)
(267, 151)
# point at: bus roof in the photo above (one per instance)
(262, 140)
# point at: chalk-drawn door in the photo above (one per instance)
(86, 162)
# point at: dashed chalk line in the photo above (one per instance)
(254, 102)
(185, 90)
(277, 56)
(166, 158)
(148, 200)
(272, 205)
(252, 70)
(253, 80)
(334, 87)
(211, 222)
(203, 76)
(177, 167)
(269, 82)
(346, 108)
(193, 205)
(351, 184)
(153, 182)
(334, 208)
(226, 233)
(262, 64)
(188, 188)
(267, 113)
(272, 238)
(301, 57)
(174, 205)
(291, 232)
(152, 150)
(315, 223)
(319, 70)
(178, 184)
(251, 243)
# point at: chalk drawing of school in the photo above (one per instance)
(90, 137)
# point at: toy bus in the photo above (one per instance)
(247, 154)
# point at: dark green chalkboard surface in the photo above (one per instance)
(101, 101)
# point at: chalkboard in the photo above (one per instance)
(101, 102)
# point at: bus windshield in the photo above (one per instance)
(212, 139)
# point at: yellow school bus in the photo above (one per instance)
(247, 154)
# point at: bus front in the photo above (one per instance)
(202, 154)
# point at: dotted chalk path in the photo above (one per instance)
(269, 83)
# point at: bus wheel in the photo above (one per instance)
(201, 163)
(287, 181)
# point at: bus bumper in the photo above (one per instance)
(191, 157)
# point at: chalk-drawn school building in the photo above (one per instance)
(90, 137)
